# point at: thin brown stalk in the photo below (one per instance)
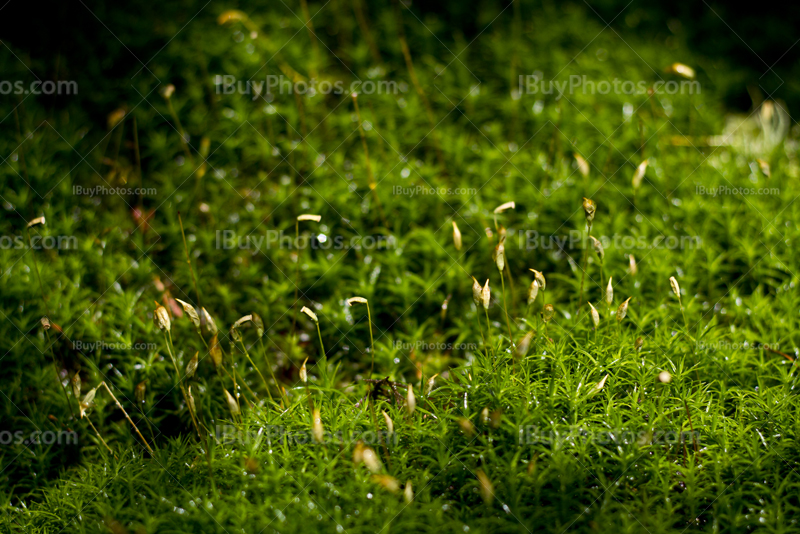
(691, 426)
(401, 37)
(371, 179)
(46, 330)
(264, 380)
(365, 29)
(101, 438)
(583, 270)
(488, 328)
(171, 351)
(181, 131)
(508, 321)
(138, 165)
(296, 274)
(271, 372)
(127, 416)
(188, 260)
(312, 69)
(21, 151)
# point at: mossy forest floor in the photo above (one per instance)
(680, 417)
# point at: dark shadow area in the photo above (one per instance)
(101, 43)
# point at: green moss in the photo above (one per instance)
(560, 454)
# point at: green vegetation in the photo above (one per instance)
(681, 416)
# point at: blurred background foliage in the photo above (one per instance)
(100, 42)
(739, 283)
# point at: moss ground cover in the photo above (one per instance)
(257, 165)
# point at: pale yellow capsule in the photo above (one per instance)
(533, 292)
(477, 296)
(675, 287)
(37, 220)
(191, 367)
(190, 312)
(161, 318)
(389, 483)
(638, 176)
(524, 344)
(236, 333)
(115, 117)
(259, 324)
(231, 16)
(487, 490)
(583, 165)
(310, 313)
(466, 426)
(358, 453)
(304, 372)
(539, 278)
(430, 384)
(496, 418)
(500, 256)
(207, 322)
(191, 400)
(139, 392)
(595, 316)
(622, 311)
(600, 384)
(456, 236)
(317, 430)
(589, 209)
(682, 70)
(371, 460)
(503, 207)
(548, 313)
(232, 406)
(215, 351)
(764, 165)
(389, 422)
(76, 385)
(408, 492)
(598, 247)
(411, 400)
(243, 320)
(87, 401)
